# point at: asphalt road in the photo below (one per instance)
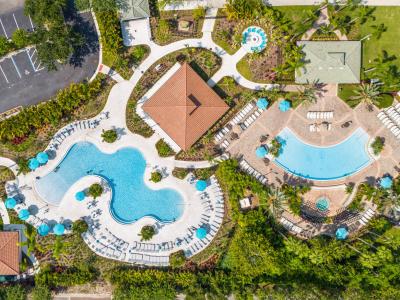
(24, 81)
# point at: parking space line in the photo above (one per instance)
(4, 74)
(31, 22)
(30, 59)
(2, 26)
(16, 68)
(16, 23)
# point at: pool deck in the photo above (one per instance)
(272, 122)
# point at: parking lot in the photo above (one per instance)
(9, 22)
(23, 80)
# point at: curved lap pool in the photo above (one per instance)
(123, 170)
(323, 163)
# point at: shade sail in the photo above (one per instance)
(261, 152)
(43, 229)
(284, 105)
(201, 233)
(262, 103)
(10, 203)
(24, 214)
(201, 185)
(341, 233)
(42, 157)
(33, 164)
(59, 229)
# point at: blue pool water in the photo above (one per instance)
(123, 170)
(323, 163)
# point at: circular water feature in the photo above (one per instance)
(254, 39)
(322, 204)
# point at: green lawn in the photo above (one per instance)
(345, 91)
(296, 13)
(390, 40)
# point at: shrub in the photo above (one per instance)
(14, 292)
(79, 226)
(163, 31)
(199, 13)
(203, 174)
(180, 173)
(177, 259)
(378, 145)
(147, 232)
(109, 136)
(20, 38)
(163, 149)
(95, 190)
(5, 46)
(385, 100)
(155, 177)
(41, 293)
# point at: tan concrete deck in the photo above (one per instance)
(272, 121)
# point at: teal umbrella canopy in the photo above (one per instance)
(261, 152)
(342, 233)
(201, 233)
(262, 103)
(386, 182)
(24, 214)
(43, 229)
(10, 203)
(201, 185)
(80, 196)
(33, 164)
(59, 229)
(42, 157)
(284, 105)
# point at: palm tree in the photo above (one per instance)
(367, 93)
(379, 30)
(30, 243)
(277, 199)
(391, 203)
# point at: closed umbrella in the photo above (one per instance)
(42, 157)
(201, 233)
(59, 229)
(24, 214)
(80, 196)
(10, 203)
(201, 185)
(33, 164)
(284, 105)
(43, 229)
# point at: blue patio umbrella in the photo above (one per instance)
(261, 152)
(262, 103)
(80, 196)
(284, 105)
(341, 233)
(201, 185)
(386, 182)
(24, 214)
(42, 157)
(43, 229)
(33, 164)
(201, 233)
(10, 203)
(59, 229)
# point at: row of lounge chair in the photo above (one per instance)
(251, 171)
(320, 115)
(391, 119)
(148, 247)
(137, 258)
(290, 226)
(250, 120)
(316, 127)
(366, 217)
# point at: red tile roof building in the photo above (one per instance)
(9, 253)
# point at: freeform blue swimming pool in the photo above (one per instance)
(323, 163)
(123, 170)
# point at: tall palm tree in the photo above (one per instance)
(277, 199)
(391, 203)
(368, 94)
(30, 243)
